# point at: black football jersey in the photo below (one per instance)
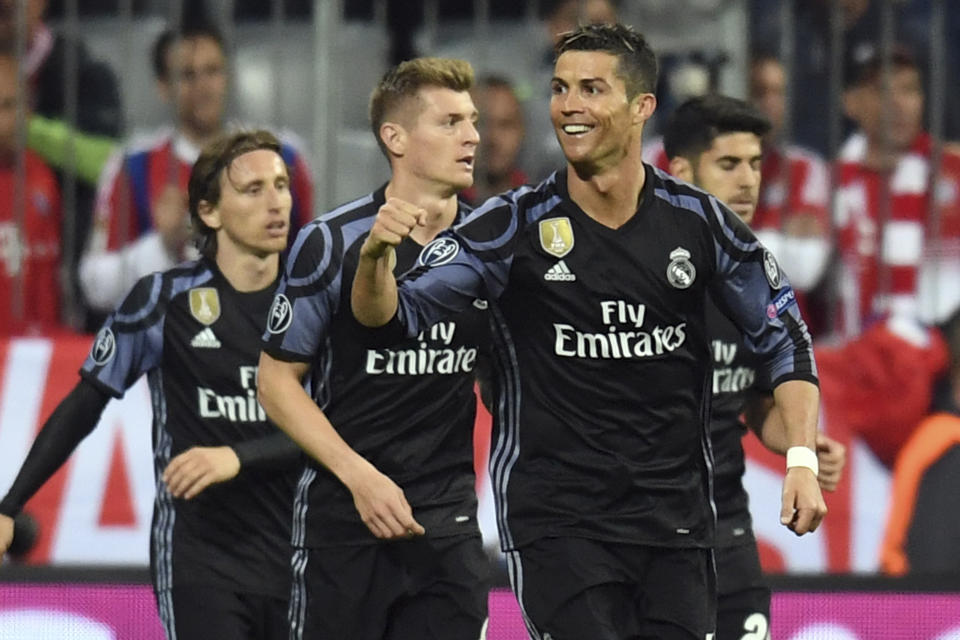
(408, 408)
(198, 341)
(601, 352)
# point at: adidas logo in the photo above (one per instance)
(205, 340)
(559, 272)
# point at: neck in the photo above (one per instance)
(196, 136)
(246, 271)
(609, 195)
(439, 203)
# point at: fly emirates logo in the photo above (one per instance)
(434, 353)
(626, 337)
(241, 408)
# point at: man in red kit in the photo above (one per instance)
(899, 248)
(140, 218)
(29, 254)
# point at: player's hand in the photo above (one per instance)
(382, 505)
(803, 507)
(831, 457)
(6, 533)
(199, 467)
(170, 211)
(395, 220)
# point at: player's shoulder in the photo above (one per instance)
(677, 194)
(150, 296)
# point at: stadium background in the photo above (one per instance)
(308, 68)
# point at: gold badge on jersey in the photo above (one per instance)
(556, 236)
(205, 304)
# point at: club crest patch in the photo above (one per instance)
(104, 347)
(205, 305)
(440, 251)
(680, 272)
(772, 270)
(280, 315)
(556, 236)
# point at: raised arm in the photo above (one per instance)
(374, 294)
(380, 502)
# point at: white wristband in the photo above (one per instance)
(803, 457)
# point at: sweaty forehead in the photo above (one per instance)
(740, 144)
(253, 165)
(582, 65)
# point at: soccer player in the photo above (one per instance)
(596, 281)
(715, 143)
(220, 542)
(389, 430)
(140, 221)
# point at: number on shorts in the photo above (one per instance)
(756, 627)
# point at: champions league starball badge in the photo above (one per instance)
(280, 315)
(104, 347)
(680, 272)
(440, 251)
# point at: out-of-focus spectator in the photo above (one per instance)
(29, 254)
(501, 137)
(792, 218)
(896, 258)
(49, 57)
(923, 530)
(140, 218)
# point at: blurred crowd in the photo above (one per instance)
(865, 220)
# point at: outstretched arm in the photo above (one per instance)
(380, 502)
(74, 418)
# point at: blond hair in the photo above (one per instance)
(400, 85)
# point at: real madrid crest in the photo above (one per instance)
(205, 304)
(772, 270)
(680, 272)
(556, 236)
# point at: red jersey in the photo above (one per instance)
(30, 256)
(886, 234)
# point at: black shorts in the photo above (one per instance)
(419, 589)
(574, 588)
(197, 612)
(743, 604)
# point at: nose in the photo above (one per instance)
(570, 102)
(472, 135)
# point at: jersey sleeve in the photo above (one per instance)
(307, 297)
(752, 290)
(470, 261)
(130, 343)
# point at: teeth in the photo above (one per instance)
(576, 128)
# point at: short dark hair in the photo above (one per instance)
(864, 63)
(636, 61)
(402, 82)
(697, 122)
(204, 183)
(186, 31)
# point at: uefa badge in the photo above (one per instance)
(772, 270)
(680, 272)
(439, 252)
(104, 347)
(280, 315)
(205, 305)
(556, 236)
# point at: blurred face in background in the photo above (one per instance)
(8, 109)
(196, 83)
(890, 120)
(768, 92)
(8, 18)
(729, 169)
(501, 127)
(573, 13)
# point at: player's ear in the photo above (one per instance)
(210, 214)
(394, 138)
(642, 107)
(681, 168)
